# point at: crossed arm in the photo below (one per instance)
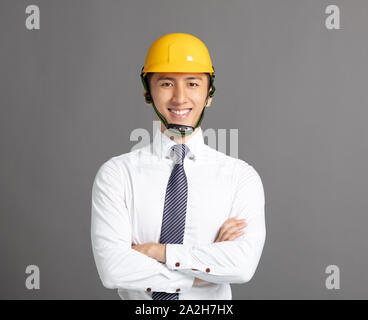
(230, 230)
(233, 257)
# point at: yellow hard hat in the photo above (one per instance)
(178, 52)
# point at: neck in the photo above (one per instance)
(176, 138)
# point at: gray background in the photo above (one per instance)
(297, 92)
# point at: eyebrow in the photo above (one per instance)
(173, 79)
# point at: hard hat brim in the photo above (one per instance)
(184, 67)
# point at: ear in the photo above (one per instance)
(144, 96)
(209, 101)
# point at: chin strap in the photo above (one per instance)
(178, 129)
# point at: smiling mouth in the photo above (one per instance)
(180, 113)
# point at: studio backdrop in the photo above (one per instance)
(291, 80)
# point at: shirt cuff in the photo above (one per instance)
(179, 282)
(178, 256)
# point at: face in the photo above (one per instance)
(180, 97)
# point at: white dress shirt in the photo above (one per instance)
(128, 197)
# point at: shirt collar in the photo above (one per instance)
(162, 143)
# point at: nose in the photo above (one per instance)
(179, 95)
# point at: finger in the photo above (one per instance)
(241, 221)
(236, 235)
(236, 228)
(234, 221)
(225, 232)
(231, 227)
(232, 231)
(229, 221)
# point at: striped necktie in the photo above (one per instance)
(173, 220)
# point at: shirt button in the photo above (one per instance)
(177, 264)
(177, 290)
(208, 270)
(195, 269)
(148, 289)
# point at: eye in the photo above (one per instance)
(193, 84)
(165, 84)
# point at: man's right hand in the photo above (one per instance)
(230, 230)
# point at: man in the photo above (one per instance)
(177, 220)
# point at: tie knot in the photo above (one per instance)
(180, 151)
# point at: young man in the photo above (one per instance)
(177, 220)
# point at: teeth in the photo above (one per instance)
(180, 112)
